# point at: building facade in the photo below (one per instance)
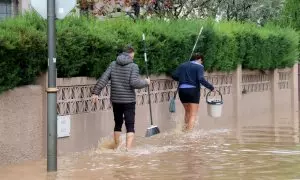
(9, 8)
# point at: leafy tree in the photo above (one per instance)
(258, 11)
(291, 14)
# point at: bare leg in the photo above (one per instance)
(186, 115)
(193, 108)
(117, 135)
(129, 139)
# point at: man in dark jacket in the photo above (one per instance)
(124, 77)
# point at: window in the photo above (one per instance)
(5, 8)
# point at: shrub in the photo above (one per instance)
(23, 51)
(85, 46)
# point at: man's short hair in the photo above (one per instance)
(128, 49)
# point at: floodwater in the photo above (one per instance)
(212, 155)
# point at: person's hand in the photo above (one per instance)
(147, 80)
(94, 98)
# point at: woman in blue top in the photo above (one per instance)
(190, 76)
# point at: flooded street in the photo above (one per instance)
(173, 155)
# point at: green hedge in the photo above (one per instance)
(85, 46)
(23, 51)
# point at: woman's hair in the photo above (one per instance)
(197, 56)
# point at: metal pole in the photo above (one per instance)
(147, 73)
(51, 90)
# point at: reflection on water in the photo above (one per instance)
(174, 155)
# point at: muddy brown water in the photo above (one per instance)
(212, 155)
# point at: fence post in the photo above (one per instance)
(295, 101)
(236, 94)
(274, 100)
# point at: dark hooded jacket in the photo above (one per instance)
(124, 77)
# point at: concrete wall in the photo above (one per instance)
(21, 124)
(257, 106)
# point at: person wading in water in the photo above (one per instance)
(190, 76)
(124, 76)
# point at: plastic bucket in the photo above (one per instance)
(214, 106)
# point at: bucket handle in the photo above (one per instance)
(210, 93)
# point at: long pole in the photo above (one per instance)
(147, 73)
(196, 43)
(51, 90)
